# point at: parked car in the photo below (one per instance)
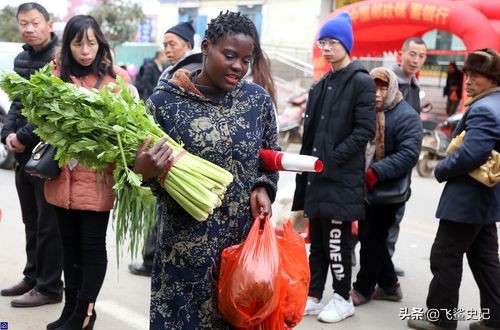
(8, 51)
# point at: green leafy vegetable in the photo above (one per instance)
(107, 127)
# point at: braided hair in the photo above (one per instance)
(236, 23)
(229, 23)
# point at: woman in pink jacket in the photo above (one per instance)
(83, 197)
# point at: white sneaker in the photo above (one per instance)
(313, 308)
(336, 310)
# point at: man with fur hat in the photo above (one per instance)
(339, 122)
(469, 210)
(390, 156)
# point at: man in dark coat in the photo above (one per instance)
(468, 210)
(339, 122)
(42, 274)
(151, 74)
(413, 55)
(178, 46)
(453, 88)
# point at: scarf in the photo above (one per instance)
(375, 149)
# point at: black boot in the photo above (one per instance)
(69, 306)
(83, 312)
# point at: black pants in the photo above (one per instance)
(330, 248)
(84, 240)
(480, 244)
(150, 247)
(451, 107)
(393, 235)
(43, 242)
(375, 261)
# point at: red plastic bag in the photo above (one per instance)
(295, 274)
(249, 283)
(354, 228)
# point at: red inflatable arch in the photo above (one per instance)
(382, 25)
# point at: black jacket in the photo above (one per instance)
(150, 79)
(192, 62)
(465, 199)
(340, 120)
(402, 142)
(26, 63)
(409, 88)
(454, 79)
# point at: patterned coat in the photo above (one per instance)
(229, 133)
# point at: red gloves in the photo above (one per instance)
(371, 178)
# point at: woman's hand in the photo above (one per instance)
(153, 162)
(260, 204)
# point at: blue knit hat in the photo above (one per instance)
(184, 30)
(340, 28)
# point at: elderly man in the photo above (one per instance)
(178, 45)
(468, 210)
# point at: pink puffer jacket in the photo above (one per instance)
(82, 188)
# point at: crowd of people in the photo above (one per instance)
(363, 125)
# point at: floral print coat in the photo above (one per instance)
(229, 133)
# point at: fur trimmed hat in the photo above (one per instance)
(486, 62)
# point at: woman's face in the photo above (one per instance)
(381, 97)
(85, 51)
(226, 62)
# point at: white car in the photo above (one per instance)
(8, 51)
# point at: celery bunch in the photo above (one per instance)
(99, 128)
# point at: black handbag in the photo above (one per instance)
(392, 191)
(42, 162)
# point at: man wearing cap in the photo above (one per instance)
(339, 122)
(178, 45)
(468, 210)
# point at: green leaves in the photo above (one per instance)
(108, 127)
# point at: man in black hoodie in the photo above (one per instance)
(339, 122)
(42, 274)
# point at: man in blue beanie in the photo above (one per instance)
(339, 122)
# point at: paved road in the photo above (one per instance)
(124, 299)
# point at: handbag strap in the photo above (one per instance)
(99, 81)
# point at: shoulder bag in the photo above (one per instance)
(392, 191)
(42, 163)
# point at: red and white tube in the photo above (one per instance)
(272, 160)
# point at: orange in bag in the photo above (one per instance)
(295, 275)
(249, 282)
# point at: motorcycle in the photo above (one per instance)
(291, 120)
(437, 137)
